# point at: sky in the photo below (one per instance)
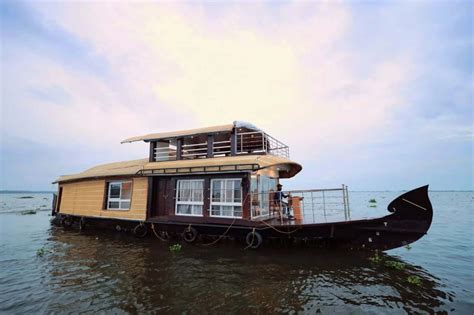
(374, 95)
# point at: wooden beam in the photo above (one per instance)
(210, 146)
(179, 148)
(149, 201)
(233, 142)
(152, 151)
(206, 211)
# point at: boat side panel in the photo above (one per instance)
(88, 198)
(164, 192)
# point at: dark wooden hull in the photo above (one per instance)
(410, 219)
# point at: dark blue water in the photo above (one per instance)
(111, 272)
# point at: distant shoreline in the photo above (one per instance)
(26, 191)
(372, 191)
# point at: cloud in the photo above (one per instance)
(285, 73)
(329, 79)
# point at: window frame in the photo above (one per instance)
(119, 200)
(232, 204)
(192, 203)
(263, 202)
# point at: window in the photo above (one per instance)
(226, 198)
(119, 195)
(189, 197)
(262, 188)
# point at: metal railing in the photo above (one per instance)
(165, 153)
(255, 142)
(221, 148)
(260, 142)
(312, 206)
(193, 151)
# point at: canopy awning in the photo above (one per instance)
(180, 133)
(191, 132)
(284, 167)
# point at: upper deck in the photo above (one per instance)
(238, 138)
(236, 147)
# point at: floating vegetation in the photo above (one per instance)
(394, 265)
(27, 212)
(415, 280)
(376, 259)
(372, 200)
(407, 246)
(40, 252)
(25, 197)
(175, 248)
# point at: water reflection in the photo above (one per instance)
(98, 270)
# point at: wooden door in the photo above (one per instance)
(163, 196)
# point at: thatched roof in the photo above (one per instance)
(285, 167)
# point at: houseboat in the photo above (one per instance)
(224, 182)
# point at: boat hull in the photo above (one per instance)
(410, 219)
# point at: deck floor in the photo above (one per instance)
(309, 219)
(276, 221)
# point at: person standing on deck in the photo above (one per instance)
(279, 195)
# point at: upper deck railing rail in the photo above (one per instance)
(221, 147)
(195, 150)
(254, 142)
(165, 153)
(315, 205)
(260, 142)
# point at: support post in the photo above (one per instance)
(233, 143)
(179, 149)
(344, 199)
(152, 151)
(324, 207)
(149, 198)
(348, 208)
(210, 146)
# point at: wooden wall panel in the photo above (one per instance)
(86, 198)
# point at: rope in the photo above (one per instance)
(220, 237)
(156, 234)
(279, 231)
(253, 238)
(188, 229)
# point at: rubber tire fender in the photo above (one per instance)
(82, 224)
(67, 222)
(140, 230)
(190, 235)
(254, 240)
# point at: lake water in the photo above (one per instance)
(102, 271)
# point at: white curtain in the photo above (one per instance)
(190, 197)
(190, 190)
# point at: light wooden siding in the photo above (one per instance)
(138, 207)
(86, 198)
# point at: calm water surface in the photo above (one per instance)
(116, 273)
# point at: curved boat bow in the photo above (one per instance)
(411, 218)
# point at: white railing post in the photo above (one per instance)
(241, 143)
(319, 197)
(344, 200)
(324, 206)
(347, 200)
